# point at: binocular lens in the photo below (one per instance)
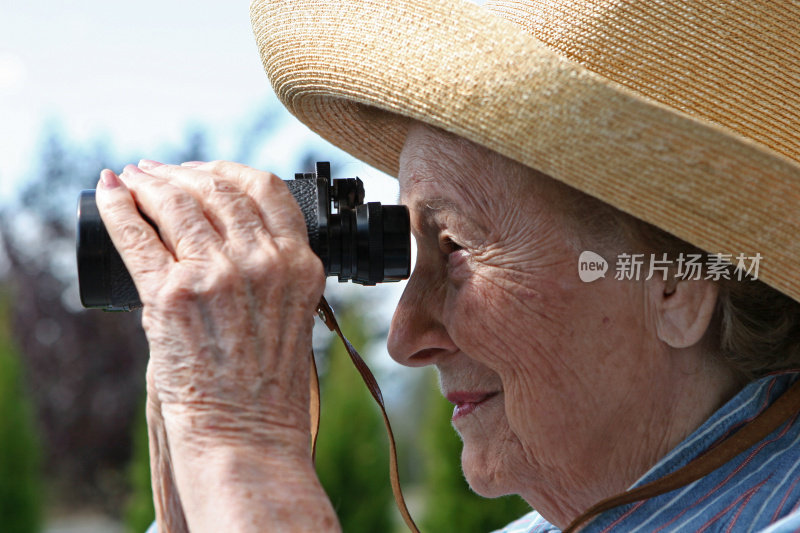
(373, 244)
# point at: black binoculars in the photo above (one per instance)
(364, 243)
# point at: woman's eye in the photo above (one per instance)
(448, 245)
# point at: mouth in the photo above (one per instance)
(467, 402)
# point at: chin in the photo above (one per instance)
(485, 478)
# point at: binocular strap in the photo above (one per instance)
(326, 314)
(781, 410)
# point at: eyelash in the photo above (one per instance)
(448, 245)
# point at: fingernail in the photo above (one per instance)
(148, 164)
(192, 164)
(109, 180)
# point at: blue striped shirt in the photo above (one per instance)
(757, 491)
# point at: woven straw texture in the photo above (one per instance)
(681, 113)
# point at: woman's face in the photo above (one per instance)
(541, 367)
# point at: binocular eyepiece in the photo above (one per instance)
(364, 243)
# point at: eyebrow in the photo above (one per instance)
(439, 204)
(429, 209)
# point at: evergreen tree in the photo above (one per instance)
(20, 486)
(352, 449)
(140, 511)
(450, 505)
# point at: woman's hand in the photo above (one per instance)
(229, 286)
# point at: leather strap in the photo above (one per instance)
(314, 408)
(786, 406)
(326, 314)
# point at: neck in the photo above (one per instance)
(638, 434)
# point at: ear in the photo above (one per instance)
(684, 309)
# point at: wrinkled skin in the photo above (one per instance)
(567, 391)
(229, 289)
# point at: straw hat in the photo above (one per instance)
(683, 113)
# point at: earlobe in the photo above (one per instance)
(684, 309)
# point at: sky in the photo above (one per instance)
(136, 76)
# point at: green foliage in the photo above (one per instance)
(352, 449)
(450, 505)
(139, 510)
(20, 484)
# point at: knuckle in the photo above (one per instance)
(276, 265)
(193, 242)
(248, 179)
(304, 261)
(221, 167)
(314, 272)
(242, 206)
(236, 172)
(259, 189)
(178, 290)
(313, 267)
(223, 275)
(311, 271)
(258, 259)
(224, 186)
(297, 270)
(202, 281)
(293, 260)
(273, 183)
(132, 235)
(176, 201)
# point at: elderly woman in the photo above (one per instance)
(638, 131)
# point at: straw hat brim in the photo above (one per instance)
(346, 68)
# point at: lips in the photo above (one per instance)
(466, 402)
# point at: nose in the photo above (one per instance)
(417, 336)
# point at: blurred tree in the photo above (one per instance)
(450, 505)
(195, 147)
(46, 195)
(62, 170)
(139, 509)
(20, 483)
(352, 449)
(85, 369)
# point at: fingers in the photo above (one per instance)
(275, 205)
(222, 216)
(179, 217)
(137, 242)
(233, 213)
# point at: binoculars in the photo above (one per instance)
(364, 243)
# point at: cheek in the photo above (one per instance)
(547, 339)
(502, 318)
